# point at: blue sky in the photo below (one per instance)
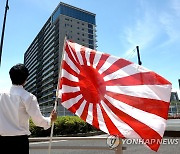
(153, 25)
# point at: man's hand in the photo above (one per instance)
(53, 116)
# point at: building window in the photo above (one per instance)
(91, 42)
(68, 11)
(90, 26)
(90, 31)
(90, 36)
(91, 46)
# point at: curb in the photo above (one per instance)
(172, 134)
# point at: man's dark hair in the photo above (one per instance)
(18, 74)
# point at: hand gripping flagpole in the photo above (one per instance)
(56, 99)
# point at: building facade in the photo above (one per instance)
(43, 56)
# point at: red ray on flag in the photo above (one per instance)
(114, 95)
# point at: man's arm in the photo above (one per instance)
(32, 108)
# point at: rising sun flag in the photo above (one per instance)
(114, 95)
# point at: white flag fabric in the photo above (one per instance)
(114, 95)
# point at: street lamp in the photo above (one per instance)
(3, 29)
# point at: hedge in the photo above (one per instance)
(64, 125)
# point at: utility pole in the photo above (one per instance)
(3, 29)
(138, 54)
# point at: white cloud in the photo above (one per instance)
(176, 7)
(154, 27)
(170, 26)
(170, 23)
(142, 32)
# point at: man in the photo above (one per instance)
(16, 107)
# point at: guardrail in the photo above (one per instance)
(118, 150)
(173, 125)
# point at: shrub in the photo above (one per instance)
(38, 131)
(64, 125)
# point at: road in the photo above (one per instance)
(172, 125)
(80, 143)
(172, 148)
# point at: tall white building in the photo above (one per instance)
(43, 56)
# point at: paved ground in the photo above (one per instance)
(173, 148)
(73, 143)
(172, 133)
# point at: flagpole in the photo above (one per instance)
(56, 99)
(3, 29)
(139, 61)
